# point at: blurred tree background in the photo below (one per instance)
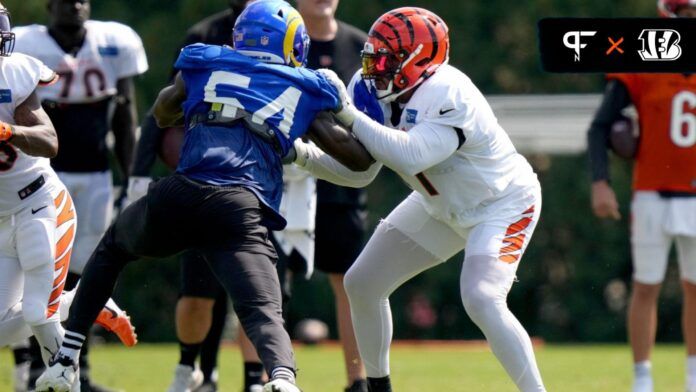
(573, 281)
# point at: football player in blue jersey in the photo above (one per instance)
(242, 109)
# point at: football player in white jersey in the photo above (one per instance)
(97, 62)
(429, 123)
(37, 216)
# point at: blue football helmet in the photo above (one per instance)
(272, 31)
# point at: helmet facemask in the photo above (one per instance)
(7, 37)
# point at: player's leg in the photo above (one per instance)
(686, 253)
(254, 373)
(193, 318)
(493, 253)
(650, 249)
(211, 345)
(340, 232)
(153, 226)
(406, 243)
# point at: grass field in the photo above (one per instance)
(415, 368)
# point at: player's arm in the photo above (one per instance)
(616, 98)
(338, 142)
(167, 110)
(321, 165)
(422, 147)
(33, 131)
(123, 125)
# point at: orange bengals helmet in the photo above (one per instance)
(669, 8)
(405, 46)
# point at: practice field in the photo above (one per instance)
(416, 368)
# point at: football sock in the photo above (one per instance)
(691, 370)
(642, 369)
(284, 373)
(72, 344)
(381, 384)
(84, 360)
(21, 353)
(188, 353)
(357, 386)
(253, 373)
(211, 344)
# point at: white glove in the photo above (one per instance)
(137, 188)
(347, 112)
(301, 152)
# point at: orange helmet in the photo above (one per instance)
(669, 8)
(406, 46)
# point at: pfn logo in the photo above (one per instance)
(571, 40)
(660, 45)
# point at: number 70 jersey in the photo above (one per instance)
(111, 51)
(286, 99)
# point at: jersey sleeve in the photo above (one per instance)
(364, 99)
(30, 74)
(131, 59)
(327, 93)
(630, 81)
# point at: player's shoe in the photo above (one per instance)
(255, 388)
(60, 376)
(643, 384)
(186, 379)
(280, 385)
(115, 320)
(357, 386)
(208, 387)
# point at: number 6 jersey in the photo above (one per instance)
(666, 104)
(79, 103)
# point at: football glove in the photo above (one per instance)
(5, 131)
(346, 112)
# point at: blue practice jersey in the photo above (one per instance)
(286, 99)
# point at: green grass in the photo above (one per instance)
(421, 368)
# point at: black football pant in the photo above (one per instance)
(223, 224)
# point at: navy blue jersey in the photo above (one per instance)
(286, 99)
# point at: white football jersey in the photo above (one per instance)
(485, 168)
(111, 51)
(19, 77)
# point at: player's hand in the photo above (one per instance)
(301, 152)
(346, 112)
(604, 204)
(5, 131)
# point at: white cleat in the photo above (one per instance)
(643, 384)
(186, 379)
(256, 388)
(60, 376)
(280, 385)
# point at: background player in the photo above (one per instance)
(341, 216)
(227, 188)
(97, 62)
(472, 191)
(663, 209)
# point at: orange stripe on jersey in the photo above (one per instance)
(518, 226)
(59, 200)
(529, 210)
(65, 241)
(66, 213)
(515, 244)
(509, 258)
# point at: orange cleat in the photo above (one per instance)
(115, 320)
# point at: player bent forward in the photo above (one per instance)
(225, 194)
(472, 190)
